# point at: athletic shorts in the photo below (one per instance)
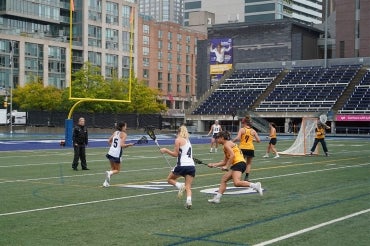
(248, 153)
(273, 141)
(240, 166)
(113, 159)
(214, 135)
(184, 170)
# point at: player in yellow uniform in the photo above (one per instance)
(234, 164)
(320, 137)
(273, 140)
(247, 135)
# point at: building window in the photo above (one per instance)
(146, 29)
(341, 49)
(145, 51)
(146, 73)
(146, 40)
(169, 77)
(146, 62)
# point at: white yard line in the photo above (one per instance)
(293, 234)
(156, 193)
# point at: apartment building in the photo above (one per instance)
(167, 54)
(251, 11)
(36, 39)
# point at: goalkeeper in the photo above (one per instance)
(320, 137)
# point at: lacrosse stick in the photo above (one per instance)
(142, 140)
(323, 118)
(152, 135)
(197, 161)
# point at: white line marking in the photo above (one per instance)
(293, 234)
(149, 194)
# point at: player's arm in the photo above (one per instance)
(123, 137)
(175, 151)
(210, 131)
(239, 136)
(255, 136)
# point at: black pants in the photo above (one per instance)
(323, 143)
(79, 153)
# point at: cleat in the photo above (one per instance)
(107, 177)
(277, 156)
(214, 200)
(265, 156)
(258, 188)
(181, 191)
(105, 184)
(188, 205)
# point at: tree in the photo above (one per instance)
(89, 83)
(34, 96)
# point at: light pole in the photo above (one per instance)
(326, 35)
(11, 85)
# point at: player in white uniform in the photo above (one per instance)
(117, 143)
(215, 128)
(184, 165)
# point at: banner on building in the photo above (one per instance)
(220, 55)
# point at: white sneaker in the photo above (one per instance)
(215, 150)
(105, 184)
(181, 191)
(188, 205)
(258, 188)
(265, 156)
(277, 156)
(107, 177)
(214, 200)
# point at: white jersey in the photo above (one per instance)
(216, 128)
(185, 157)
(115, 149)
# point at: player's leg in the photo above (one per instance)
(188, 183)
(226, 177)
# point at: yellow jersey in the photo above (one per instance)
(238, 155)
(246, 140)
(320, 133)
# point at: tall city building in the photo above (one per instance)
(352, 28)
(36, 40)
(167, 54)
(251, 11)
(163, 10)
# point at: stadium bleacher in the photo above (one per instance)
(311, 89)
(359, 101)
(238, 91)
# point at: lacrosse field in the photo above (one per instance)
(307, 200)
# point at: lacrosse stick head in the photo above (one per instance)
(150, 132)
(323, 118)
(142, 140)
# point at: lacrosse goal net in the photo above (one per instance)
(305, 138)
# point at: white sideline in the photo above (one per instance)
(311, 228)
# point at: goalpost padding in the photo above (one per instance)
(304, 141)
